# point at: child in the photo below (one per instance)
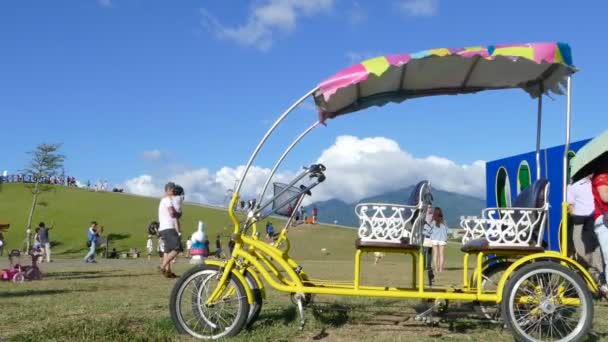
(149, 247)
(188, 247)
(176, 202)
(37, 245)
(270, 234)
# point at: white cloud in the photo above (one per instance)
(357, 14)
(265, 20)
(153, 155)
(105, 3)
(143, 185)
(356, 168)
(419, 8)
(203, 186)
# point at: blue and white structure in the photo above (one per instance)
(507, 177)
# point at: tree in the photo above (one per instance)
(46, 162)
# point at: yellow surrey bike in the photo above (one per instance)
(540, 295)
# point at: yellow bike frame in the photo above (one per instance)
(279, 271)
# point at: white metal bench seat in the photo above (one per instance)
(518, 228)
(383, 225)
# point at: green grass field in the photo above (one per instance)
(127, 300)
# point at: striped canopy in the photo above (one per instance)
(535, 67)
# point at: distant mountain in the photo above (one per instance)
(453, 205)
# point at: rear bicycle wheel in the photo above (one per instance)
(545, 301)
(193, 316)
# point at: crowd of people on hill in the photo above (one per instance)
(70, 181)
(27, 178)
(100, 185)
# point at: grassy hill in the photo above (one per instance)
(124, 216)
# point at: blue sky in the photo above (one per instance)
(196, 83)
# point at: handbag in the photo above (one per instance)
(89, 243)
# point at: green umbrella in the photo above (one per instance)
(589, 157)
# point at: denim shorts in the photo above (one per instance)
(172, 240)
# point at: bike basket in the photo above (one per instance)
(285, 203)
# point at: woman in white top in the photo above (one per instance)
(439, 239)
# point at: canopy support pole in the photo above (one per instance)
(280, 161)
(539, 129)
(265, 137)
(568, 125)
(564, 229)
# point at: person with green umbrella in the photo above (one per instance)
(584, 241)
(593, 159)
(600, 196)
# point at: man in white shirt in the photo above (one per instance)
(581, 207)
(169, 212)
(580, 197)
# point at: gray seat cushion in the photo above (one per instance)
(404, 244)
(482, 245)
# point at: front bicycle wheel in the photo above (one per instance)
(193, 316)
(545, 301)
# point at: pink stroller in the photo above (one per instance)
(18, 273)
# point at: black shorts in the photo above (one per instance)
(172, 240)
